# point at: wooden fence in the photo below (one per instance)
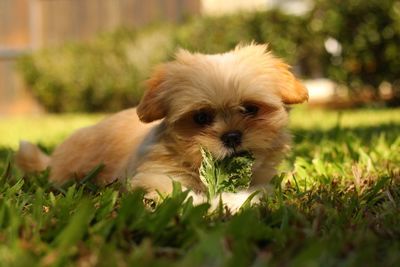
(27, 25)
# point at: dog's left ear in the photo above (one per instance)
(291, 90)
(152, 106)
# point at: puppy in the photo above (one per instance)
(226, 103)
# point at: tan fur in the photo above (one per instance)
(151, 155)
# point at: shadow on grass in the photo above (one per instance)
(365, 134)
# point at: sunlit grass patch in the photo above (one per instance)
(48, 130)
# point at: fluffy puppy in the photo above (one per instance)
(226, 103)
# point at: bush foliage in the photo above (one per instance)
(369, 34)
(103, 75)
(106, 74)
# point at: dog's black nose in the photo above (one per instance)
(232, 139)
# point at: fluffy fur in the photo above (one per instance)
(161, 140)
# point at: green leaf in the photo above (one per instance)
(88, 179)
(230, 174)
(7, 173)
(77, 226)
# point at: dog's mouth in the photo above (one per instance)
(234, 152)
(241, 153)
(238, 156)
(231, 153)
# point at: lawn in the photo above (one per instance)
(336, 203)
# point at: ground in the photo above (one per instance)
(335, 203)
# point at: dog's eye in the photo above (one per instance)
(250, 109)
(203, 118)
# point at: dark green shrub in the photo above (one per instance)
(369, 35)
(103, 75)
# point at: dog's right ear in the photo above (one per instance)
(152, 106)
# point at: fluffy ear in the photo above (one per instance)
(152, 106)
(291, 90)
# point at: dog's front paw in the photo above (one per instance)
(232, 201)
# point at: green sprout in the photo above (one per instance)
(230, 174)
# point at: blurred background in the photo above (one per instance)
(93, 55)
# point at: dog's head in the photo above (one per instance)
(226, 103)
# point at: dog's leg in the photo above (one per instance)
(153, 183)
(233, 201)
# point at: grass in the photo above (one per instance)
(48, 130)
(336, 203)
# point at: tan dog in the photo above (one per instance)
(226, 103)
